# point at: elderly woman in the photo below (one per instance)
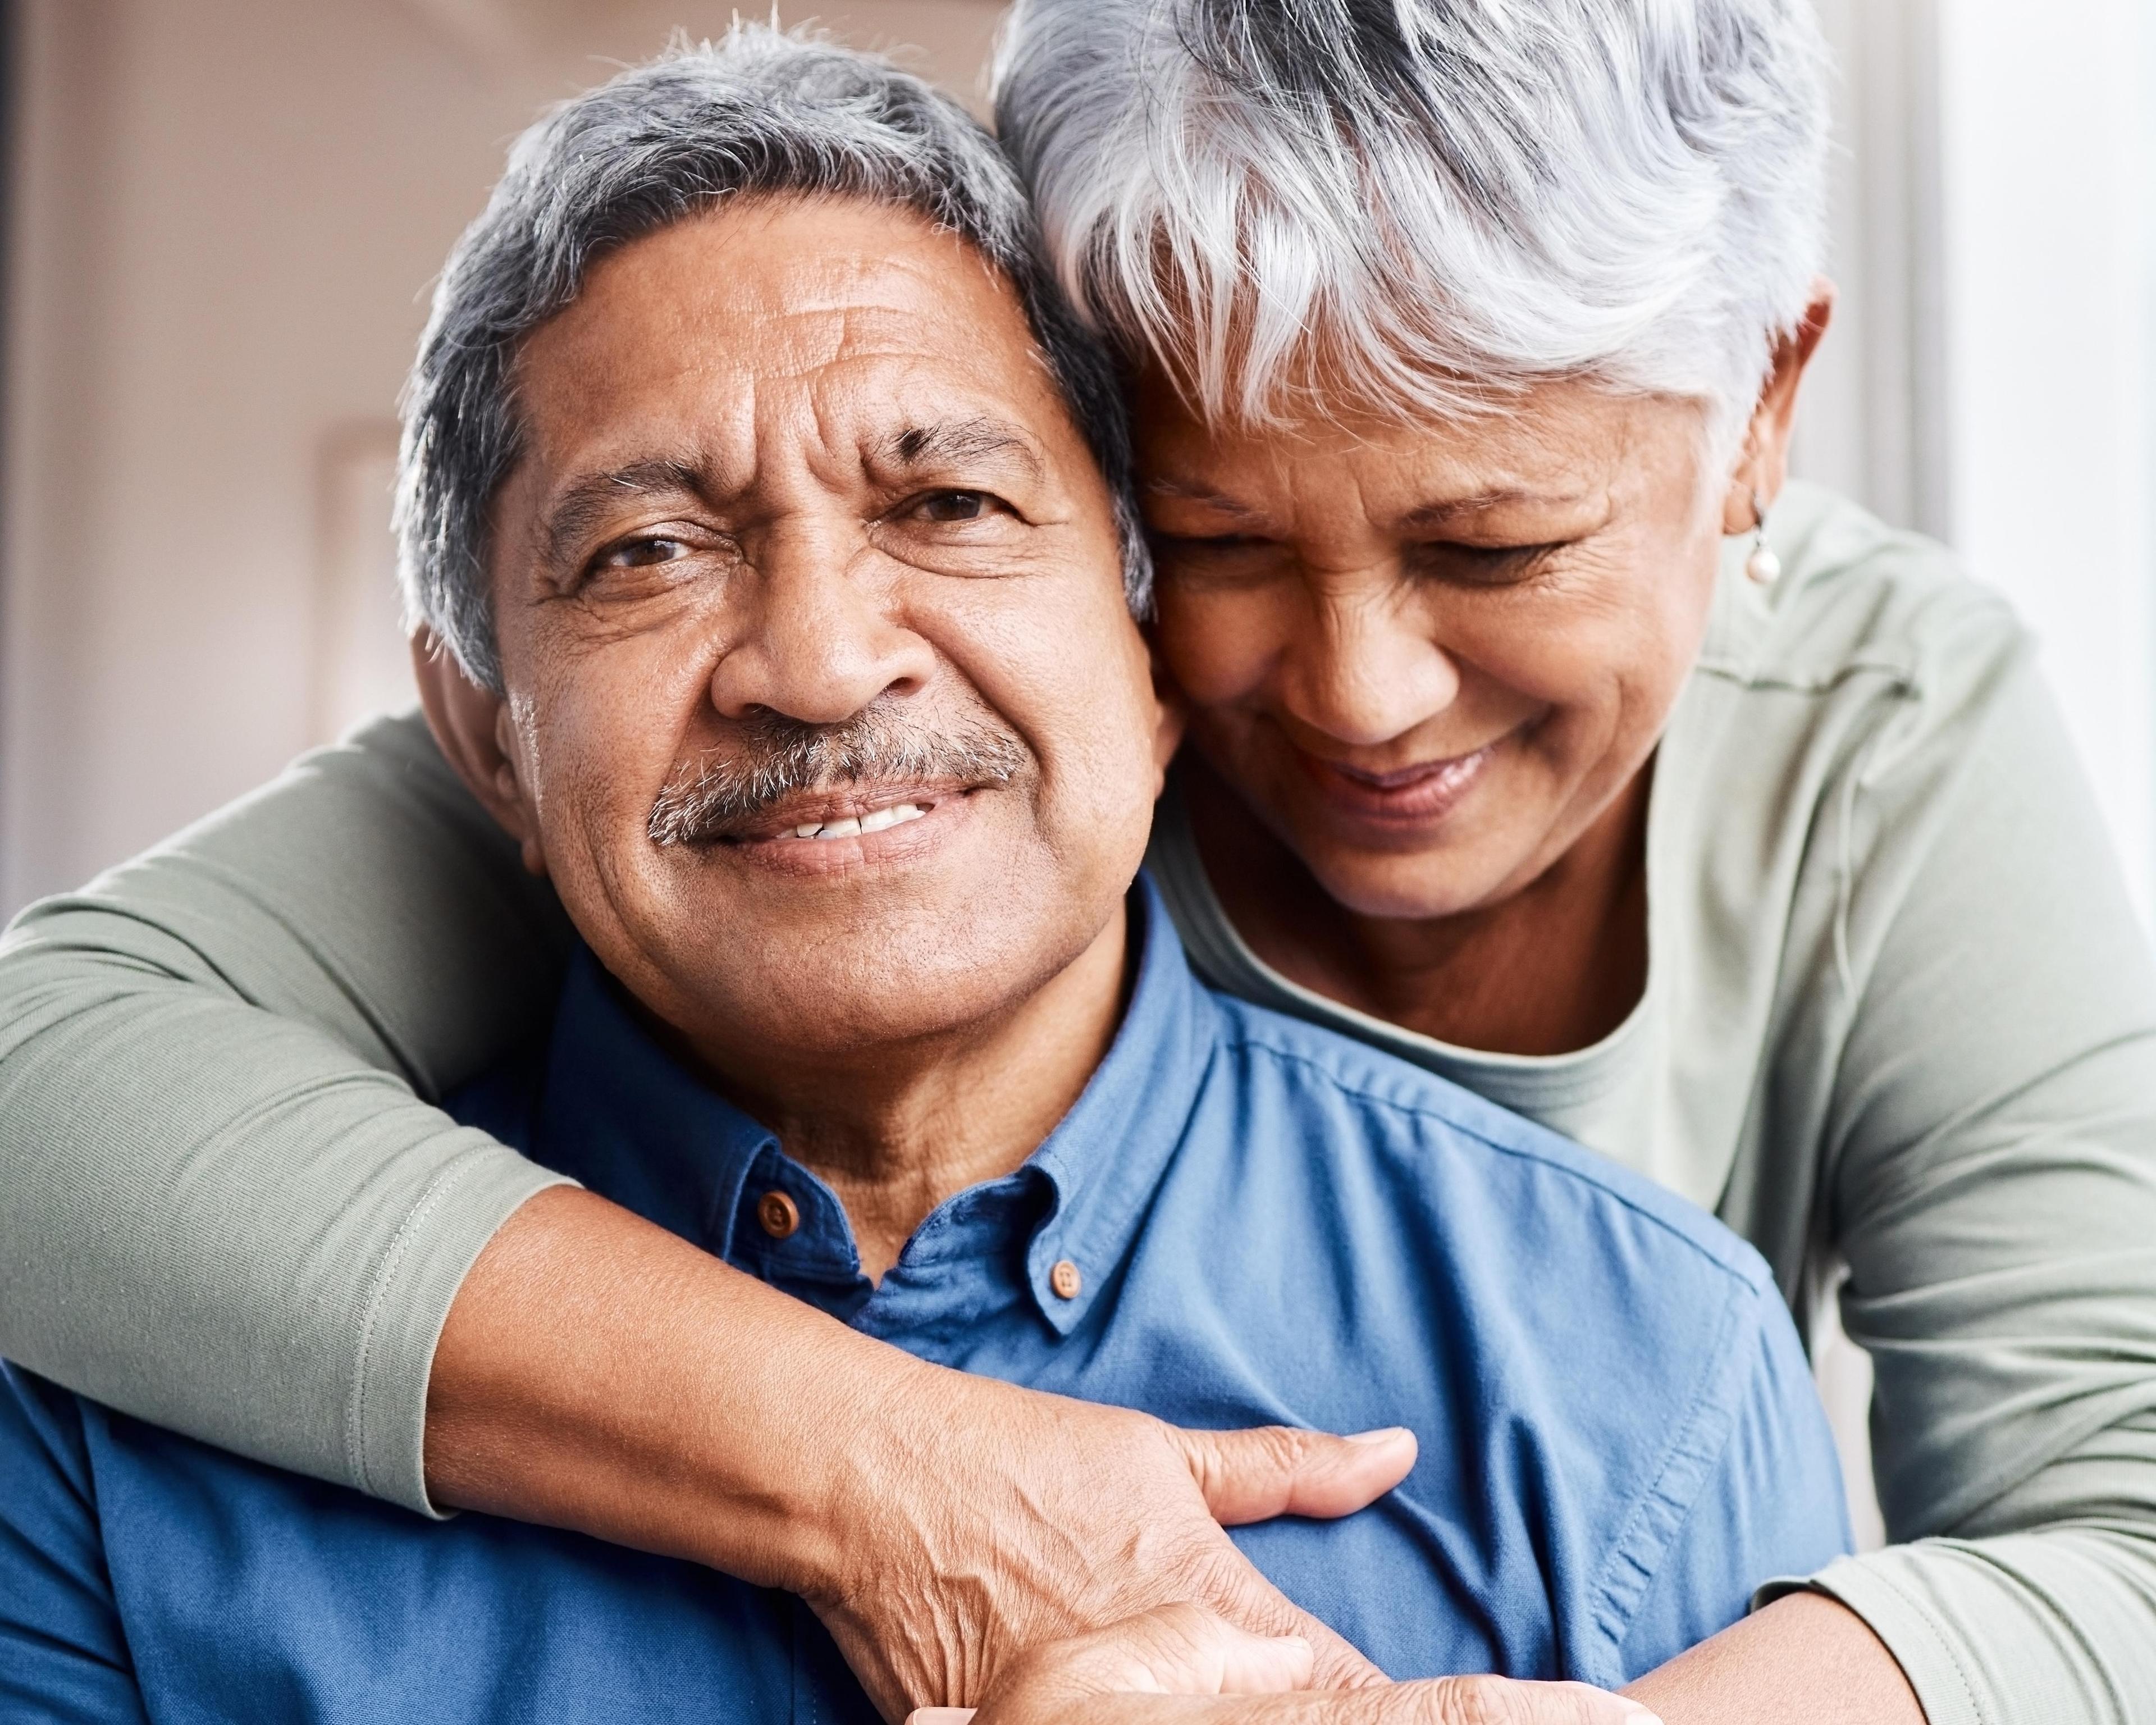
(1538, 734)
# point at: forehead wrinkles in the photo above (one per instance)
(1566, 442)
(696, 311)
(818, 385)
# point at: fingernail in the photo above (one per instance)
(939, 1715)
(1638, 1716)
(1384, 1437)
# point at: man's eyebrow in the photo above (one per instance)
(588, 501)
(959, 441)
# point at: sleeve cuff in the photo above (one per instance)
(427, 1261)
(1945, 1688)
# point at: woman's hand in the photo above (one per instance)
(986, 1520)
(1182, 1665)
(598, 1373)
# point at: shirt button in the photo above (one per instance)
(779, 1214)
(1066, 1279)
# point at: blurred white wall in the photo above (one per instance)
(1873, 418)
(1990, 377)
(228, 213)
(2049, 196)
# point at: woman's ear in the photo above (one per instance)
(1764, 467)
(471, 726)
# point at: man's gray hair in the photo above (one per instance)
(1423, 206)
(757, 113)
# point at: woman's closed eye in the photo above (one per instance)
(1485, 565)
(1209, 544)
(1206, 561)
(1237, 559)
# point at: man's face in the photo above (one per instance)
(824, 706)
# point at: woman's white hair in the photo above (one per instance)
(1423, 206)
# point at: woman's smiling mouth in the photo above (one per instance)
(1415, 796)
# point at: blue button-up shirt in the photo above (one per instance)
(1270, 1224)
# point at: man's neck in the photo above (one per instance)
(896, 1131)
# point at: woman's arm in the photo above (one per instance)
(223, 1208)
(1990, 1179)
(222, 1205)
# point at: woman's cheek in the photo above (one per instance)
(1219, 649)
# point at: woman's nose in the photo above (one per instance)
(1365, 674)
(820, 642)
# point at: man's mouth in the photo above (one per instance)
(803, 785)
(832, 833)
(875, 821)
(846, 812)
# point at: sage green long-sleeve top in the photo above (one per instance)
(1899, 1017)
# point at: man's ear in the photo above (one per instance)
(471, 726)
(1171, 714)
(1764, 467)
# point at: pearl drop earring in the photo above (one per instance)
(1762, 567)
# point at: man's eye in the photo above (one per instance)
(641, 553)
(954, 507)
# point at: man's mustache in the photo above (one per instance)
(780, 757)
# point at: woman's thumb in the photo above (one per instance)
(1268, 1471)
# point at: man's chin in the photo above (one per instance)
(836, 995)
(836, 947)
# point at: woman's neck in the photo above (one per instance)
(1555, 967)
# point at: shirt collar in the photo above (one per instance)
(623, 1116)
(1108, 1155)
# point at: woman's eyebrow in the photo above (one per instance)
(1190, 491)
(959, 441)
(1452, 509)
(588, 501)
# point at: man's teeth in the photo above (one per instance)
(875, 821)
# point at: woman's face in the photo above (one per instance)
(1428, 658)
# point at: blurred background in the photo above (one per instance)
(222, 217)
(225, 216)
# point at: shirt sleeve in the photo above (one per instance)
(263, 1260)
(1769, 1503)
(63, 1653)
(1991, 1184)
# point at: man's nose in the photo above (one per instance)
(823, 640)
(1366, 672)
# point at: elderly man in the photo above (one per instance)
(766, 501)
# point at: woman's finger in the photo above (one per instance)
(1181, 1649)
(1445, 1701)
(1257, 1474)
